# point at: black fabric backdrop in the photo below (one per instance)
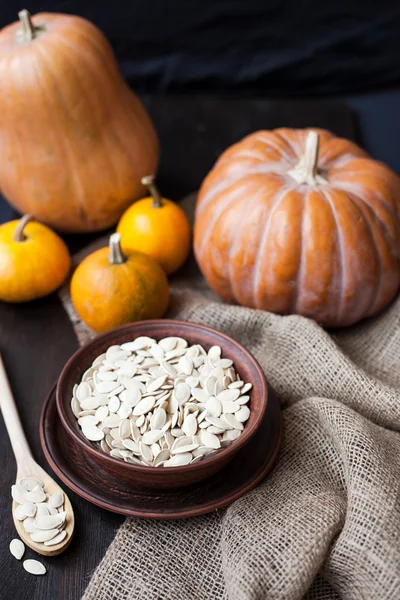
(272, 47)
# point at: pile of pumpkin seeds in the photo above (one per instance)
(161, 403)
(43, 517)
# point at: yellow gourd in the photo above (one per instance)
(111, 288)
(34, 261)
(157, 227)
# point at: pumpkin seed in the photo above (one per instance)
(243, 399)
(57, 499)
(179, 460)
(19, 513)
(186, 364)
(230, 407)
(50, 521)
(18, 493)
(230, 435)
(43, 535)
(101, 413)
(243, 414)
(83, 391)
(200, 395)
(93, 433)
(124, 429)
(75, 407)
(189, 425)
(57, 539)
(214, 353)
(228, 395)
(144, 406)
(140, 420)
(17, 548)
(107, 375)
(182, 393)
(29, 524)
(232, 421)
(235, 385)
(34, 567)
(156, 384)
(146, 452)
(35, 495)
(29, 509)
(210, 440)
(214, 407)
(192, 381)
(215, 430)
(157, 352)
(124, 411)
(152, 436)
(159, 418)
(246, 388)
(161, 457)
(131, 445)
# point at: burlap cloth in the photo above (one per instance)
(325, 524)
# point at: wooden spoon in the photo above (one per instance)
(27, 467)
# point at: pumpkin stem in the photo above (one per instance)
(148, 181)
(28, 31)
(19, 235)
(116, 256)
(306, 170)
(311, 155)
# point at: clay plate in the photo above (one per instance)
(77, 470)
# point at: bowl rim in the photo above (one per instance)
(234, 447)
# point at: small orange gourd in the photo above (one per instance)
(34, 261)
(158, 227)
(111, 288)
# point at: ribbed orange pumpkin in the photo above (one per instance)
(74, 139)
(300, 221)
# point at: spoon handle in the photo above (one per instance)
(11, 418)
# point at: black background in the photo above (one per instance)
(272, 47)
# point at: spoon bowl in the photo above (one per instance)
(27, 467)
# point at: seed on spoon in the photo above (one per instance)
(28, 483)
(57, 539)
(44, 535)
(42, 509)
(51, 521)
(57, 499)
(18, 493)
(29, 525)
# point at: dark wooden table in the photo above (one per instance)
(36, 339)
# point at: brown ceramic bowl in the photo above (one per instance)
(152, 477)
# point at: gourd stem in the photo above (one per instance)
(116, 256)
(28, 29)
(19, 235)
(148, 181)
(306, 170)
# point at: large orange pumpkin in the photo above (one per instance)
(74, 139)
(300, 221)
